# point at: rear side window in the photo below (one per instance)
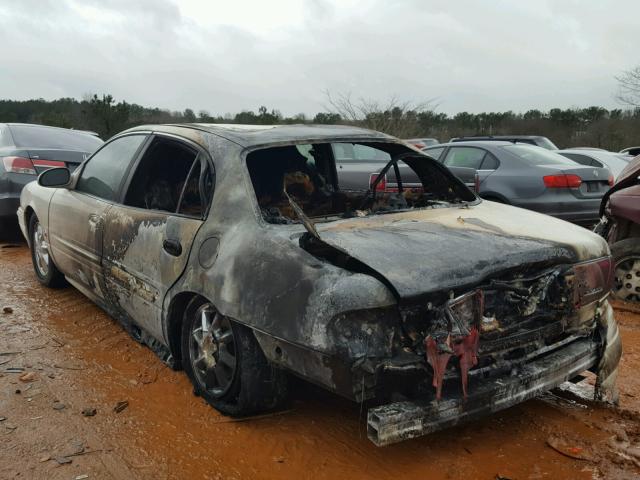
(103, 173)
(469, 157)
(33, 136)
(161, 175)
(538, 155)
(434, 152)
(197, 192)
(490, 162)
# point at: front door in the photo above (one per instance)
(148, 237)
(76, 216)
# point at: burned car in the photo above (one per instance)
(620, 225)
(232, 252)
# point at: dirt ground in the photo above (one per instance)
(60, 355)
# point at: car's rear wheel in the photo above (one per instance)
(46, 271)
(226, 364)
(626, 256)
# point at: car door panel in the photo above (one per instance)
(138, 270)
(76, 223)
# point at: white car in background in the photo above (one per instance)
(616, 162)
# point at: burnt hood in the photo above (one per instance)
(418, 253)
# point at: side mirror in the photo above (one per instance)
(55, 177)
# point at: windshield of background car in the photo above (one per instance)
(32, 136)
(538, 155)
(307, 175)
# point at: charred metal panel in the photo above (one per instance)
(403, 420)
(626, 204)
(137, 270)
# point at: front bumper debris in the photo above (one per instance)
(399, 421)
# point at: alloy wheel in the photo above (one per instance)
(212, 351)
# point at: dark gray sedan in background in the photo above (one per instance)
(530, 177)
(27, 150)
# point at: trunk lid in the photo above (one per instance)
(425, 251)
(45, 158)
(595, 180)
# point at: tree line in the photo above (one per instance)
(592, 126)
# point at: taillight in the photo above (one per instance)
(562, 181)
(592, 281)
(476, 182)
(18, 165)
(611, 180)
(382, 184)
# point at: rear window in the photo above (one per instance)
(538, 155)
(292, 178)
(355, 152)
(28, 136)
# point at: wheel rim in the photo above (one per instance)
(627, 279)
(212, 350)
(41, 250)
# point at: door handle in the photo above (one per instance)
(172, 247)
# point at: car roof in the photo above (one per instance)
(475, 143)
(38, 125)
(500, 137)
(253, 135)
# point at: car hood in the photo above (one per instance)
(425, 251)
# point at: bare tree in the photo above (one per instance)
(395, 117)
(629, 87)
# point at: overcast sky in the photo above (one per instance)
(227, 56)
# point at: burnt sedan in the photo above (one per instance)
(232, 252)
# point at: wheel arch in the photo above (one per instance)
(180, 306)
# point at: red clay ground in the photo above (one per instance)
(76, 357)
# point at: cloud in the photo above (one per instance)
(228, 56)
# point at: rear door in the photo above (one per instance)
(462, 160)
(76, 216)
(148, 234)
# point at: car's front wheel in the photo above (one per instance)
(626, 255)
(46, 271)
(226, 364)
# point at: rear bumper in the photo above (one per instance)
(9, 203)
(409, 419)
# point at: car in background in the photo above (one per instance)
(530, 177)
(357, 163)
(633, 151)
(620, 225)
(26, 150)
(421, 143)
(616, 162)
(537, 140)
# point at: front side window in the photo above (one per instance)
(161, 175)
(469, 157)
(103, 173)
